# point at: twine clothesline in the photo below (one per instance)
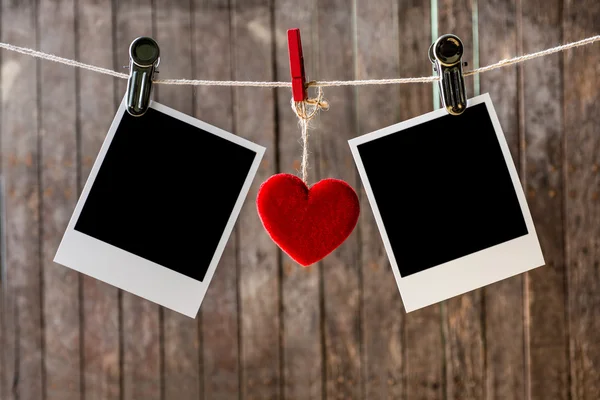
(267, 84)
(307, 109)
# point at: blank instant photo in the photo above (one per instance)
(448, 203)
(159, 206)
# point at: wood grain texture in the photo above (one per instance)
(3, 292)
(96, 97)
(462, 322)
(488, 345)
(219, 312)
(3, 343)
(582, 223)
(424, 352)
(543, 130)
(58, 160)
(142, 358)
(181, 340)
(20, 166)
(342, 268)
(10, 344)
(301, 294)
(258, 265)
(6, 352)
(8, 330)
(504, 308)
(6, 315)
(379, 106)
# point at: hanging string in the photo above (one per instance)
(266, 84)
(305, 111)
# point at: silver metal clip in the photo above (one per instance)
(445, 54)
(144, 57)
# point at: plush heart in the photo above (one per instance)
(307, 224)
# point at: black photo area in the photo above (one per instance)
(443, 189)
(165, 192)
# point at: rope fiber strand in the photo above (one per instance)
(60, 60)
(305, 111)
(197, 82)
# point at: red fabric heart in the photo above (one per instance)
(307, 224)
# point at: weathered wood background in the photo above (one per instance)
(268, 328)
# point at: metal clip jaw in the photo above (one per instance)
(144, 57)
(446, 56)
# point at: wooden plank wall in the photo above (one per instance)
(101, 339)
(268, 328)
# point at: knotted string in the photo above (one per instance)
(305, 111)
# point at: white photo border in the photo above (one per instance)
(469, 272)
(116, 266)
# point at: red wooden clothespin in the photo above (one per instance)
(296, 65)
